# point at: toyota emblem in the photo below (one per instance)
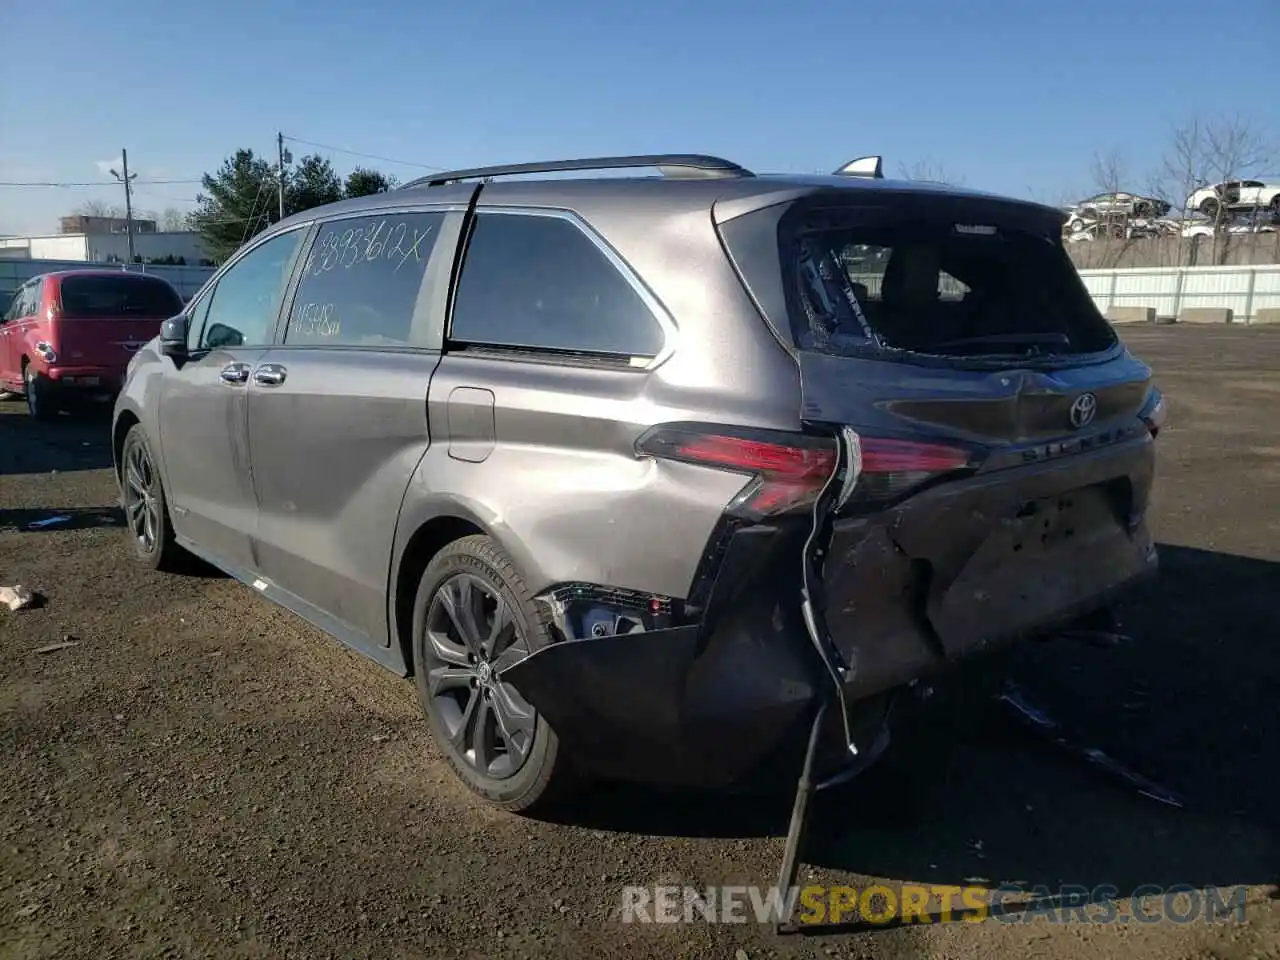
(1083, 410)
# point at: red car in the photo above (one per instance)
(68, 336)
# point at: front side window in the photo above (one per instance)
(246, 300)
(196, 312)
(539, 282)
(361, 281)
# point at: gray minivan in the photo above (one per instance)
(632, 473)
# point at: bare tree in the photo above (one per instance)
(1235, 149)
(1109, 171)
(98, 208)
(173, 220)
(1110, 174)
(1183, 169)
(928, 170)
(1209, 153)
(1062, 197)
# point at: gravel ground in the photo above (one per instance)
(204, 775)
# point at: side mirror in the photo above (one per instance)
(173, 339)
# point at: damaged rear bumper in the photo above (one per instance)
(675, 706)
(726, 694)
(983, 562)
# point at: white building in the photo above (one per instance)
(107, 246)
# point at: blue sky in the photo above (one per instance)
(1014, 97)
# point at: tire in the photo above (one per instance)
(152, 543)
(36, 388)
(1209, 207)
(508, 781)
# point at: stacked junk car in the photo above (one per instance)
(1234, 207)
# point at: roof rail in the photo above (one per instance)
(869, 167)
(689, 165)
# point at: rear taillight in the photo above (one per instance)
(893, 468)
(788, 470)
(1155, 413)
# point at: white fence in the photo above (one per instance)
(1245, 290)
(14, 273)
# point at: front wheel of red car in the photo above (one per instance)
(473, 617)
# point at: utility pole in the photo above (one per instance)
(281, 155)
(128, 197)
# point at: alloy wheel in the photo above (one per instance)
(471, 637)
(141, 505)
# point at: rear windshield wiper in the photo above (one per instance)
(1009, 339)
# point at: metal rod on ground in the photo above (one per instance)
(799, 820)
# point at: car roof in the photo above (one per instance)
(731, 195)
(99, 272)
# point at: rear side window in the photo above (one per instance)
(361, 281)
(23, 303)
(31, 300)
(112, 297)
(540, 282)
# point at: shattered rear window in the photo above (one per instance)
(941, 287)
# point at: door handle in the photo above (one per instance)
(270, 374)
(234, 373)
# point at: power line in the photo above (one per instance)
(83, 183)
(367, 156)
(152, 194)
(253, 208)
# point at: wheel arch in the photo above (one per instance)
(126, 419)
(422, 533)
(127, 416)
